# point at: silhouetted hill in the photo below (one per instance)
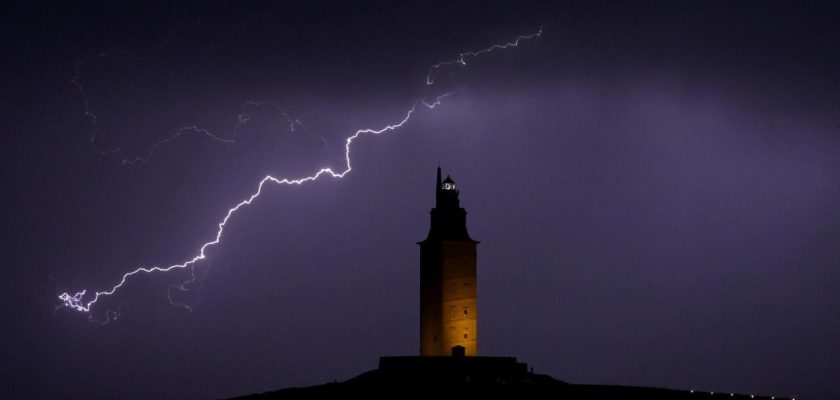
(401, 377)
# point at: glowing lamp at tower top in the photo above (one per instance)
(448, 184)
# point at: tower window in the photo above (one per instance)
(466, 330)
(466, 312)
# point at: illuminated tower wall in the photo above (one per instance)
(448, 302)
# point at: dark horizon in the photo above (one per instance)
(654, 187)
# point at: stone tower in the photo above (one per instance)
(448, 302)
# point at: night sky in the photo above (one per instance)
(655, 189)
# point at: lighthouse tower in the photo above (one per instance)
(448, 302)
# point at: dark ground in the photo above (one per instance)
(474, 376)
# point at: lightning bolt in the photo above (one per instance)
(462, 57)
(81, 302)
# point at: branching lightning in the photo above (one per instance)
(81, 301)
(462, 57)
(242, 118)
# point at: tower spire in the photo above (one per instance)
(437, 187)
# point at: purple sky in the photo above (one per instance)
(655, 190)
